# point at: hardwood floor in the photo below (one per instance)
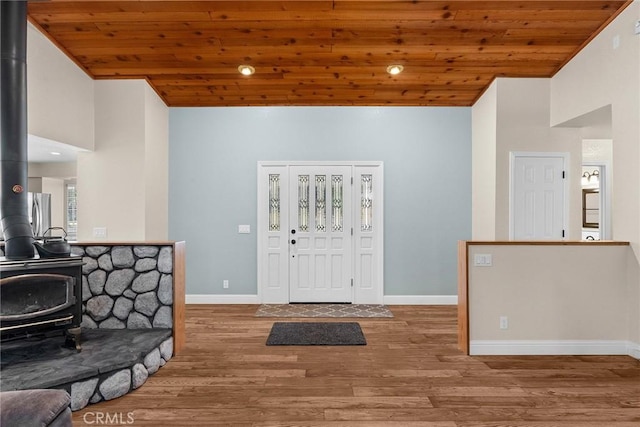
(409, 374)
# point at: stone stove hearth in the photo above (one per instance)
(111, 364)
(132, 323)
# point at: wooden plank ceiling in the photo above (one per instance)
(321, 52)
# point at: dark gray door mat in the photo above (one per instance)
(316, 333)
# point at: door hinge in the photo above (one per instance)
(351, 180)
(352, 231)
(563, 175)
(352, 283)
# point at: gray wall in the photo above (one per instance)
(213, 155)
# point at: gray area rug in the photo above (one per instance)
(323, 310)
(316, 333)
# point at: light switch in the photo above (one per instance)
(244, 229)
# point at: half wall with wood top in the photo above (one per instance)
(533, 298)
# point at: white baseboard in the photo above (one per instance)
(420, 299)
(388, 300)
(633, 349)
(538, 348)
(221, 299)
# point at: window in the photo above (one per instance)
(72, 212)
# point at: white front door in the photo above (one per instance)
(320, 234)
(335, 213)
(538, 197)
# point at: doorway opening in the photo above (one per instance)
(595, 183)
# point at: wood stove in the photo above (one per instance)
(41, 295)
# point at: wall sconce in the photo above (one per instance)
(591, 178)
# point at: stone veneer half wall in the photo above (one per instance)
(126, 287)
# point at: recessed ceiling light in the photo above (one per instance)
(55, 153)
(246, 70)
(395, 69)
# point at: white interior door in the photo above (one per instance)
(320, 234)
(538, 197)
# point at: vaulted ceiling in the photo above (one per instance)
(328, 52)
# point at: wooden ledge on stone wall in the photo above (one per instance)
(179, 268)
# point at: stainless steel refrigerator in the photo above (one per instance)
(39, 212)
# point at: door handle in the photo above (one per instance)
(293, 231)
(293, 242)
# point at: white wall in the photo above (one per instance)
(484, 123)
(34, 184)
(156, 167)
(513, 115)
(523, 125)
(634, 273)
(603, 77)
(122, 185)
(580, 295)
(111, 179)
(60, 95)
(597, 151)
(65, 170)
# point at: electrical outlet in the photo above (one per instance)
(504, 322)
(225, 284)
(100, 232)
(482, 260)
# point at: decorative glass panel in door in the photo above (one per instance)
(303, 202)
(366, 202)
(320, 247)
(337, 202)
(321, 203)
(274, 202)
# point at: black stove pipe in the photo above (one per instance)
(13, 131)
